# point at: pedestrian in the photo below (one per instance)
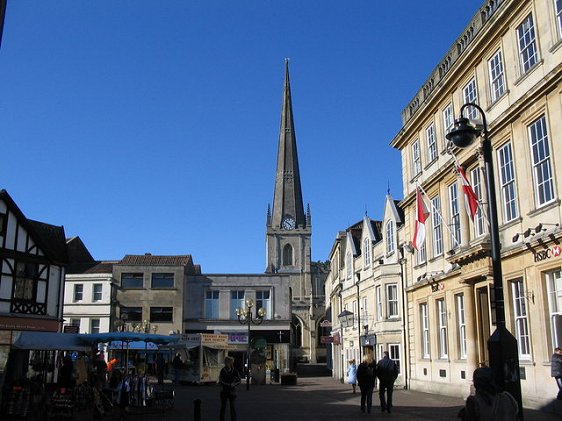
(488, 404)
(229, 378)
(352, 374)
(160, 367)
(178, 365)
(387, 371)
(556, 370)
(366, 373)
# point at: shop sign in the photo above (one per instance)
(326, 323)
(554, 251)
(336, 340)
(437, 286)
(237, 338)
(326, 339)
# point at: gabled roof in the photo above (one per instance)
(91, 267)
(49, 238)
(355, 233)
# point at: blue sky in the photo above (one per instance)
(152, 126)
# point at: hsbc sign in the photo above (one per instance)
(554, 251)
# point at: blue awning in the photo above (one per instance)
(96, 338)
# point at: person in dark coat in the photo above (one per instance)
(160, 368)
(488, 404)
(66, 373)
(556, 370)
(229, 378)
(387, 372)
(366, 373)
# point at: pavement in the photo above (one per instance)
(315, 399)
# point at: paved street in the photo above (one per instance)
(316, 398)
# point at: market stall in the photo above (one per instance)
(35, 371)
(202, 356)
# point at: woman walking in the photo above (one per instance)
(352, 374)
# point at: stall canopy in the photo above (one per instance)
(47, 341)
(126, 337)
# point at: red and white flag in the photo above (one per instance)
(421, 215)
(470, 199)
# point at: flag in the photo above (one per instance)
(470, 199)
(421, 215)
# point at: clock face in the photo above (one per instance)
(288, 223)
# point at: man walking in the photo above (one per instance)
(229, 378)
(387, 371)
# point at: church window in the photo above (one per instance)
(287, 255)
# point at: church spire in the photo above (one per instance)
(288, 209)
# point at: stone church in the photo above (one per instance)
(291, 290)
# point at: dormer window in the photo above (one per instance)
(390, 237)
(366, 252)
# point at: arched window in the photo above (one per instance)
(366, 251)
(287, 255)
(296, 331)
(389, 237)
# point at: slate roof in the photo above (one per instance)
(52, 240)
(150, 260)
(91, 267)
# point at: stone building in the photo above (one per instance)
(366, 282)
(508, 60)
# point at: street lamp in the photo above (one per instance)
(245, 316)
(502, 345)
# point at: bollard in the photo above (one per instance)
(197, 410)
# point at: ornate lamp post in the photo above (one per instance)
(245, 316)
(502, 345)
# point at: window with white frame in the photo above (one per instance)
(558, 10)
(437, 228)
(554, 291)
(542, 169)
(497, 76)
(477, 188)
(424, 322)
(392, 300)
(422, 254)
(448, 120)
(394, 354)
(442, 319)
(527, 42)
(470, 95)
(507, 180)
(378, 296)
(390, 237)
(366, 251)
(97, 290)
(454, 212)
(364, 312)
(431, 143)
(461, 325)
(236, 301)
(212, 305)
(416, 158)
(263, 300)
(78, 292)
(520, 318)
(94, 325)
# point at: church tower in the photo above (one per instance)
(288, 236)
(288, 227)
